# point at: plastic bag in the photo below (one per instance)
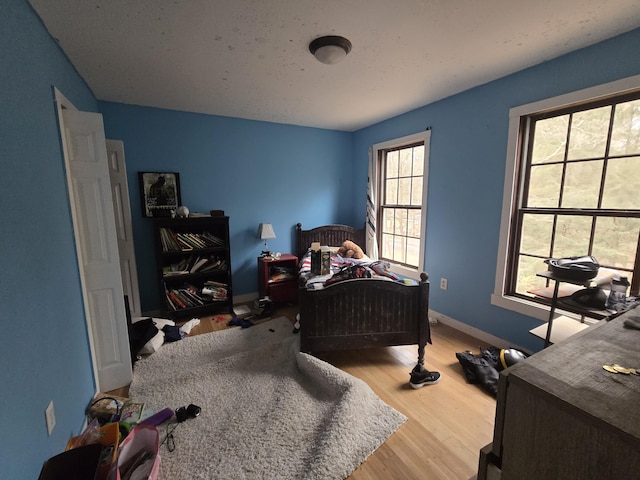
(138, 456)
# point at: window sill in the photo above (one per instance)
(405, 271)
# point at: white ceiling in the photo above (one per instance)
(250, 58)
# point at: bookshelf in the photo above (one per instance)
(193, 265)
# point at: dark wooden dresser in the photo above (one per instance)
(561, 416)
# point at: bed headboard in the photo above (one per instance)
(330, 235)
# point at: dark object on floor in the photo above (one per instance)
(509, 357)
(82, 461)
(139, 334)
(420, 377)
(241, 322)
(479, 370)
(185, 413)
(172, 333)
(632, 322)
(483, 369)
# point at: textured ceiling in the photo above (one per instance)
(250, 58)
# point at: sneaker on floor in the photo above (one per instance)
(424, 377)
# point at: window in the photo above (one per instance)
(402, 187)
(575, 184)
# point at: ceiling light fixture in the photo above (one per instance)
(330, 49)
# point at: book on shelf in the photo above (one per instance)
(196, 240)
(212, 240)
(169, 241)
(217, 264)
(218, 291)
(180, 242)
(198, 264)
(184, 296)
(176, 302)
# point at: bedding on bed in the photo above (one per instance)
(346, 268)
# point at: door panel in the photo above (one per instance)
(94, 225)
(124, 229)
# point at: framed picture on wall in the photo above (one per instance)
(160, 192)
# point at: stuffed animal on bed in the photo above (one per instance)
(350, 250)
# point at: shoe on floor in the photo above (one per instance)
(423, 377)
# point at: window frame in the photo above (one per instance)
(377, 152)
(516, 150)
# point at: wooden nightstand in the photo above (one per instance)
(278, 278)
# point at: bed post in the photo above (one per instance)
(424, 333)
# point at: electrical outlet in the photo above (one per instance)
(50, 417)
(443, 283)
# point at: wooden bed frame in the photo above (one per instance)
(360, 313)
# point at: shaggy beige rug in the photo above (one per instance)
(268, 411)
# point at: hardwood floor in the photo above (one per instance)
(448, 423)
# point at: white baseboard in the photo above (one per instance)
(473, 331)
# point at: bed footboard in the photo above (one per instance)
(364, 313)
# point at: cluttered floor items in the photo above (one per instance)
(147, 335)
(115, 444)
(483, 369)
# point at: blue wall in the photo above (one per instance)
(254, 171)
(466, 176)
(44, 345)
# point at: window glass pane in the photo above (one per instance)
(406, 162)
(387, 245)
(388, 216)
(615, 241)
(416, 191)
(572, 236)
(589, 131)
(625, 138)
(536, 234)
(392, 164)
(544, 186)
(391, 193)
(418, 160)
(404, 191)
(414, 218)
(582, 184)
(622, 185)
(527, 279)
(550, 140)
(413, 251)
(399, 249)
(400, 221)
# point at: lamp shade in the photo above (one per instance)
(265, 231)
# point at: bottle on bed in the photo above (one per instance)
(325, 260)
(316, 258)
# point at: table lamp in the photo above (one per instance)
(265, 231)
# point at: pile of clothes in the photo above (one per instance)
(483, 369)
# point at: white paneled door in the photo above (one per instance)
(97, 245)
(124, 228)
